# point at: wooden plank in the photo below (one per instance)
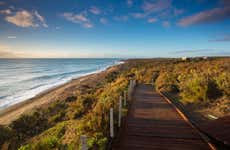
(153, 123)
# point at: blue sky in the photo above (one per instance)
(115, 28)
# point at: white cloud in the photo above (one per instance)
(95, 10)
(153, 7)
(139, 15)
(57, 28)
(103, 20)
(11, 37)
(152, 20)
(208, 16)
(6, 12)
(88, 25)
(24, 18)
(156, 6)
(41, 19)
(78, 18)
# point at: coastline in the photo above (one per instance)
(59, 92)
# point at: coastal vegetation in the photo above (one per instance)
(198, 82)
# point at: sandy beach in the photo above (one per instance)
(58, 93)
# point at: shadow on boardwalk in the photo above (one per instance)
(153, 123)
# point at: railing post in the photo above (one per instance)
(125, 98)
(83, 139)
(129, 92)
(119, 111)
(111, 123)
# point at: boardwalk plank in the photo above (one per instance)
(153, 123)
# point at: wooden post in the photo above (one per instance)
(131, 87)
(83, 139)
(130, 90)
(134, 83)
(125, 98)
(119, 111)
(111, 123)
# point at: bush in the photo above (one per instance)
(167, 82)
(30, 125)
(223, 83)
(5, 134)
(111, 76)
(198, 88)
(47, 143)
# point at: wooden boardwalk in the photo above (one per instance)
(154, 124)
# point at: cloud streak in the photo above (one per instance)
(103, 20)
(6, 12)
(41, 19)
(11, 37)
(24, 18)
(208, 16)
(156, 6)
(78, 19)
(95, 10)
(152, 20)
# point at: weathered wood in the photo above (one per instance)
(83, 139)
(119, 111)
(125, 98)
(153, 124)
(111, 123)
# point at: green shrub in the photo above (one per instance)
(111, 76)
(167, 82)
(223, 83)
(5, 134)
(98, 141)
(58, 117)
(47, 143)
(198, 88)
(26, 147)
(30, 125)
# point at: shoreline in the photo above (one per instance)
(53, 94)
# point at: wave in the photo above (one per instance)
(46, 77)
(47, 82)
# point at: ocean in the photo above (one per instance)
(21, 79)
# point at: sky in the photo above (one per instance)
(114, 28)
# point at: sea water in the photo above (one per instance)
(21, 79)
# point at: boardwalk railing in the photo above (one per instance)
(122, 103)
(122, 100)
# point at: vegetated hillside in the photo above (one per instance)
(201, 83)
(59, 125)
